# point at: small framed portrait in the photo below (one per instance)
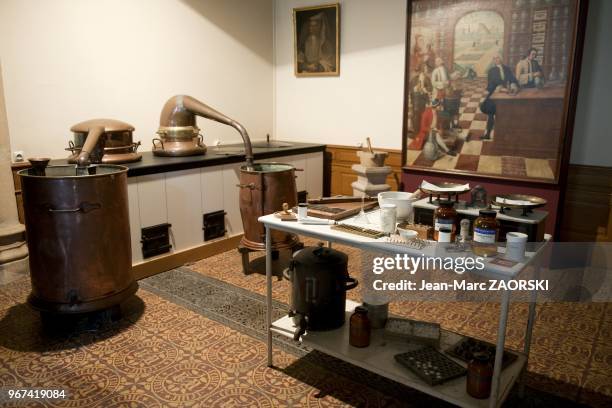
(316, 40)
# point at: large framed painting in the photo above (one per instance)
(491, 85)
(316, 40)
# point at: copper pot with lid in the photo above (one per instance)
(111, 142)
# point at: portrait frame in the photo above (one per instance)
(560, 61)
(328, 64)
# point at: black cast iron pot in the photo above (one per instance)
(320, 279)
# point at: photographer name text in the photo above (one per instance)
(490, 285)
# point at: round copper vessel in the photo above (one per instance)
(264, 187)
(113, 146)
(178, 141)
(79, 237)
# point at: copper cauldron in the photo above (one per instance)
(79, 237)
(264, 187)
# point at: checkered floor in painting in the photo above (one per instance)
(475, 154)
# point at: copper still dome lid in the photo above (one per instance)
(109, 125)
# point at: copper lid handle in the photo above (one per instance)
(84, 159)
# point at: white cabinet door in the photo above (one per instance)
(211, 182)
(134, 212)
(231, 177)
(152, 200)
(184, 201)
(314, 174)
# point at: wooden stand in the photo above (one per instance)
(244, 254)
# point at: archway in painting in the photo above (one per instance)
(479, 36)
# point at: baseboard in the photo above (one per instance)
(173, 260)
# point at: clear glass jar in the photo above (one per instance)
(485, 233)
(445, 216)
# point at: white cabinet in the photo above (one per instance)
(184, 202)
(212, 189)
(314, 174)
(134, 219)
(231, 177)
(181, 198)
(152, 199)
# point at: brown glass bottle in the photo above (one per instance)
(485, 233)
(479, 376)
(445, 216)
(360, 328)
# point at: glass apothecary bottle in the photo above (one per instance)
(479, 376)
(485, 233)
(360, 328)
(445, 216)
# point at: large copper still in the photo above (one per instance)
(264, 187)
(79, 237)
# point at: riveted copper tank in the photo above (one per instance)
(264, 188)
(79, 237)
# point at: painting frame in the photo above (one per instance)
(327, 65)
(576, 33)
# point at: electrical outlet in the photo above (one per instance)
(18, 156)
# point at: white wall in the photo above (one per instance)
(592, 141)
(65, 61)
(366, 99)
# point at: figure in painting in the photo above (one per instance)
(499, 78)
(440, 79)
(315, 49)
(529, 72)
(435, 146)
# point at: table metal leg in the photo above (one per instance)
(529, 331)
(499, 351)
(269, 292)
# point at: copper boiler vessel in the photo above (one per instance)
(110, 142)
(264, 188)
(79, 237)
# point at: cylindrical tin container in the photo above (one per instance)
(264, 188)
(78, 237)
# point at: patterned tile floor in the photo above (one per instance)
(171, 353)
(570, 355)
(475, 154)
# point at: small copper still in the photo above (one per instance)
(264, 187)
(107, 141)
(179, 134)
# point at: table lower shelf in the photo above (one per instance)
(378, 358)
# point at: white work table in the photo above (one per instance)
(378, 357)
